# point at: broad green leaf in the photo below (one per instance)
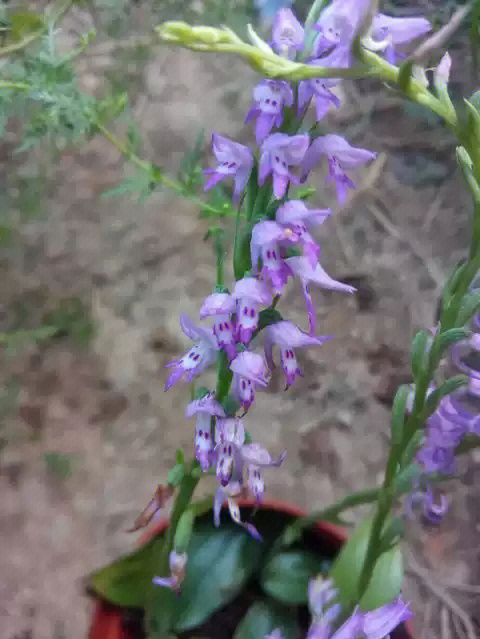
(221, 561)
(286, 575)
(387, 576)
(265, 616)
(126, 581)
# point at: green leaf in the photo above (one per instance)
(419, 352)
(398, 413)
(263, 617)
(127, 581)
(286, 575)
(405, 478)
(387, 575)
(22, 23)
(221, 561)
(176, 474)
(405, 74)
(450, 337)
(184, 531)
(469, 306)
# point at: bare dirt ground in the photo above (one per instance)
(137, 267)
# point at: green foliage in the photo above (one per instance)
(71, 319)
(263, 617)
(220, 563)
(60, 464)
(128, 580)
(387, 575)
(286, 575)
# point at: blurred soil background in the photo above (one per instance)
(87, 431)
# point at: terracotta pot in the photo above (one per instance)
(107, 622)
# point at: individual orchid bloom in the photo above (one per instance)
(198, 358)
(229, 437)
(221, 306)
(379, 623)
(265, 244)
(287, 34)
(249, 371)
(435, 510)
(288, 336)
(204, 409)
(389, 33)
(249, 292)
(223, 495)
(234, 160)
(257, 457)
(178, 562)
(341, 157)
(321, 598)
(307, 274)
(270, 97)
(295, 216)
(320, 90)
(337, 25)
(278, 153)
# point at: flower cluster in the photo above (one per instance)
(457, 416)
(325, 610)
(281, 248)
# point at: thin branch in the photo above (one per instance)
(438, 40)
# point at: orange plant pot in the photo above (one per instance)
(107, 622)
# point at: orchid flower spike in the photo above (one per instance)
(287, 34)
(265, 244)
(234, 160)
(295, 216)
(288, 336)
(307, 274)
(198, 358)
(249, 292)
(270, 97)
(341, 157)
(278, 153)
(204, 409)
(249, 372)
(178, 562)
(221, 306)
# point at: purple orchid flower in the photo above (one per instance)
(234, 160)
(229, 437)
(320, 89)
(375, 624)
(287, 33)
(204, 408)
(307, 274)
(257, 457)
(341, 157)
(337, 25)
(379, 623)
(198, 358)
(270, 97)
(249, 293)
(249, 372)
(298, 218)
(288, 336)
(178, 562)
(279, 152)
(265, 244)
(221, 305)
(389, 33)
